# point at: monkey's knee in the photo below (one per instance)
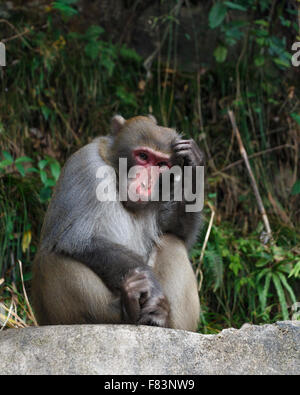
(66, 292)
(179, 283)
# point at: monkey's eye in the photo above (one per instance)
(143, 156)
(162, 164)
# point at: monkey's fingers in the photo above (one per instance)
(156, 312)
(131, 309)
(180, 146)
(183, 153)
(184, 149)
(178, 142)
(183, 145)
(194, 156)
(135, 287)
(186, 156)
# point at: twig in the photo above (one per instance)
(3, 325)
(26, 298)
(67, 124)
(238, 162)
(5, 40)
(252, 179)
(18, 35)
(16, 320)
(198, 270)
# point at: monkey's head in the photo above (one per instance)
(145, 144)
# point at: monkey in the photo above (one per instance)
(120, 261)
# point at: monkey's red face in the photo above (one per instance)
(145, 156)
(150, 164)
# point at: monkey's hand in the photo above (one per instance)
(189, 151)
(143, 301)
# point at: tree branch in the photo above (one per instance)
(252, 179)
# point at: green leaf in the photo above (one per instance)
(234, 6)
(262, 22)
(287, 287)
(284, 22)
(5, 163)
(27, 276)
(50, 182)
(235, 264)
(261, 41)
(21, 169)
(296, 188)
(43, 176)
(23, 159)
(64, 8)
(295, 271)
(259, 60)
(215, 263)
(281, 296)
(126, 97)
(45, 194)
(32, 170)
(296, 117)
(46, 112)
(108, 63)
(217, 15)
(92, 49)
(9, 225)
(265, 292)
(282, 62)
(8, 156)
(42, 163)
(130, 54)
(220, 53)
(262, 273)
(94, 32)
(233, 32)
(55, 170)
(75, 35)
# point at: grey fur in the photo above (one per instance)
(75, 215)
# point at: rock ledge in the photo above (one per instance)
(125, 349)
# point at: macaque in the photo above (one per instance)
(121, 261)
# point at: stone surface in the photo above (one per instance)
(124, 349)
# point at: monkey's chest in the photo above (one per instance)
(139, 234)
(140, 237)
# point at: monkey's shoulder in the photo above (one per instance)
(89, 157)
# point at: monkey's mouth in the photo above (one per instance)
(144, 188)
(144, 184)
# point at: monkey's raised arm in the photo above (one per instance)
(185, 225)
(175, 218)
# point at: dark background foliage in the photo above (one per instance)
(72, 64)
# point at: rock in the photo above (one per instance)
(125, 349)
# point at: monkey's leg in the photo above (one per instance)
(176, 276)
(65, 291)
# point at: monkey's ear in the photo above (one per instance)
(116, 123)
(152, 117)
